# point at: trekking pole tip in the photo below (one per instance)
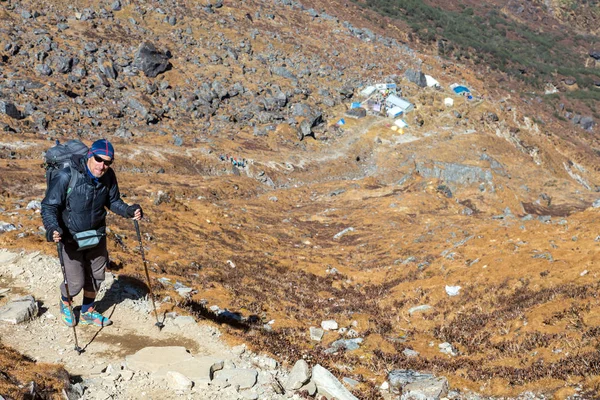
(160, 325)
(79, 350)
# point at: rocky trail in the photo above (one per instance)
(108, 366)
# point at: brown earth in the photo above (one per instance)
(526, 318)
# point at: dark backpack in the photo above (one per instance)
(59, 157)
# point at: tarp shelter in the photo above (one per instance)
(355, 104)
(431, 81)
(459, 89)
(385, 86)
(366, 92)
(394, 101)
(394, 112)
(400, 123)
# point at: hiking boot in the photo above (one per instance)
(93, 317)
(65, 314)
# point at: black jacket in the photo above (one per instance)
(85, 207)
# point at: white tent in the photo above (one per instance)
(448, 101)
(366, 92)
(400, 123)
(431, 81)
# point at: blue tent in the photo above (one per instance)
(461, 89)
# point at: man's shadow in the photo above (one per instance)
(116, 291)
(129, 288)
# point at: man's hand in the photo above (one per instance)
(135, 211)
(56, 236)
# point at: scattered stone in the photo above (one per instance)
(43, 69)
(421, 308)
(316, 333)
(350, 382)
(447, 348)
(410, 353)
(328, 385)
(19, 310)
(34, 205)
(241, 377)
(433, 388)
(329, 325)
(310, 388)
(6, 227)
(178, 381)
(453, 290)
(347, 344)
(342, 233)
(299, 376)
(397, 378)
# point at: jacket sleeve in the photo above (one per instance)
(54, 202)
(115, 203)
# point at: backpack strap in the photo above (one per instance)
(72, 181)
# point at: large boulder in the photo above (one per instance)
(151, 61)
(417, 77)
(8, 108)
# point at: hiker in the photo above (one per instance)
(76, 216)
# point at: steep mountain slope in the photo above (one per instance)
(355, 222)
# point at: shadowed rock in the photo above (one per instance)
(151, 61)
(8, 108)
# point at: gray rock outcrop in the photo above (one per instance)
(151, 61)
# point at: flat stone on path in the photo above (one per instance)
(244, 378)
(152, 359)
(160, 360)
(19, 310)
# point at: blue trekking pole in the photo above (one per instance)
(59, 247)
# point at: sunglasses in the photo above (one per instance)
(102, 160)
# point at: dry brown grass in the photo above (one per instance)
(22, 378)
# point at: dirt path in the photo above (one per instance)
(47, 339)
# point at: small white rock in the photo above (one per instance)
(329, 325)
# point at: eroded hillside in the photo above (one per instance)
(357, 222)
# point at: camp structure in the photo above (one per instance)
(393, 101)
(386, 86)
(431, 81)
(400, 123)
(366, 92)
(459, 89)
(394, 112)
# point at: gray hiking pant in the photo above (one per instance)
(84, 269)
